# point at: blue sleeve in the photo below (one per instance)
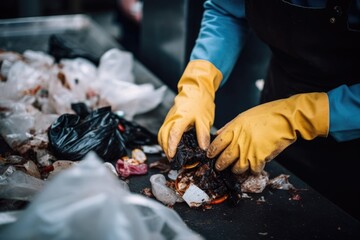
(344, 104)
(222, 34)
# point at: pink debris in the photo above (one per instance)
(125, 169)
(296, 197)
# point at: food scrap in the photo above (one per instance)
(135, 165)
(193, 178)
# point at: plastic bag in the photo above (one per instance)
(16, 120)
(69, 46)
(115, 84)
(136, 135)
(116, 65)
(128, 97)
(88, 202)
(71, 137)
(15, 184)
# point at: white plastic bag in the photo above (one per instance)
(87, 201)
(117, 65)
(129, 97)
(116, 85)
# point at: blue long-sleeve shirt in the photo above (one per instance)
(223, 34)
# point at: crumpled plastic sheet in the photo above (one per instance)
(77, 80)
(19, 121)
(88, 202)
(15, 122)
(15, 184)
(116, 65)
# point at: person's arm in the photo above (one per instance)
(259, 134)
(344, 104)
(262, 132)
(222, 35)
(221, 38)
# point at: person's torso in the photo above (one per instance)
(315, 48)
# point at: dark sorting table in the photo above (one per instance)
(278, 217)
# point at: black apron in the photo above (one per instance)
(312, 51)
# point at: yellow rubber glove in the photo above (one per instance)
(193, 106)
(261, 133)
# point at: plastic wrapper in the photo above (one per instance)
(162, 192)
(15, 122)
(22, 126)
(88, 202)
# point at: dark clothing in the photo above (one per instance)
(313, 50)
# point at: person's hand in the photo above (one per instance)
(262, 132)
(193, 106)
(132, 9)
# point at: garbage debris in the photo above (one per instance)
(86, 190)
(68, 46)
(71, 137)
(128, 166)
(193, 178)
(15, 184)
(55, 109)
(162, 192)
(55, 83)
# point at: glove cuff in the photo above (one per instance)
(203, 74)
(313, 114)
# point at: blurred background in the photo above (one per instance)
(160, 34)
(102, 11)
(29, 8)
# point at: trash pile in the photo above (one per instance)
(88, 202)
(191, 177)
(68, 142)
(55, 111)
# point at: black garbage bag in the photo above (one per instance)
(136, 135)
(188, 151)
(72, 136)
(69, 46)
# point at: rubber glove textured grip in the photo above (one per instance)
(262, 132)
(193, 106)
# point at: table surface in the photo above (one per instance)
(278, 217)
